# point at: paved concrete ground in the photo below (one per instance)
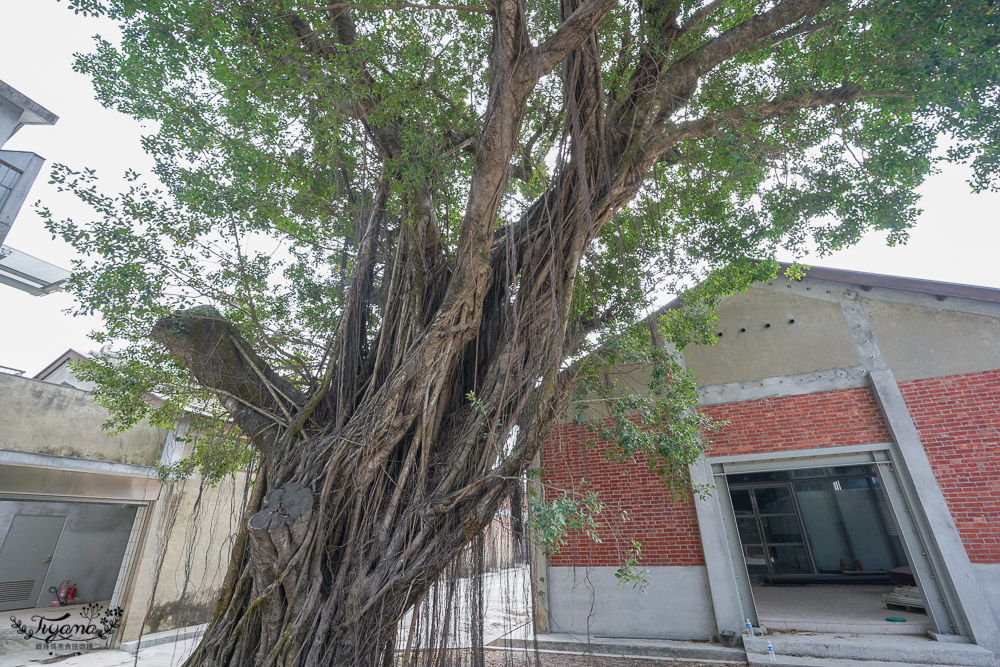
(25, 615)
(173, 655)
(14, 648)
(164, 655)
(842, 648)
(494, 659)
(833, 608)
(793, 652)
(842, 605)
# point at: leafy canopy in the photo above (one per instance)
(270, 151)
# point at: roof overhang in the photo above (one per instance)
(32, 113)
(68, 355)
(866, 281)
(30, 274)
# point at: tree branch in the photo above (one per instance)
(700, 16)
(343, 23)
(677, 83)
(570, 34)
(672, 134)
(402, 5)
(223, 362)
(511, 82)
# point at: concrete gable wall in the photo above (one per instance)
(919, 336)
(817, 339)
(922, 342)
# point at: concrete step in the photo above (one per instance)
(757, 660)
(165, 637)
(860, 627)
(633, 648)
(843, 647)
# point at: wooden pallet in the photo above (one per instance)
(905, 597)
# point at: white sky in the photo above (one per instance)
(957, 238)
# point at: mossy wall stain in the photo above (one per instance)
(63, 421)
(177, 614)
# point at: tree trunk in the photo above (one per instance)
(327, 572)
(369, 487)
(353, 519)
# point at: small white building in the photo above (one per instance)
(18, 170)
(81, 504)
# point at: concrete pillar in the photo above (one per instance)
(537, 563)
(945, 550)
(727, 576)
(173, 444)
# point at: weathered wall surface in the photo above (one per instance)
(188, 533)
(44, 418)
(677, 603)
(817, 339)
(184, 556)
(919, 342)
(958, 419)
(989, 584)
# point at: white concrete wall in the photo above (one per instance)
(989, 583)
(676, 604)
(184, 555)
(43, 418)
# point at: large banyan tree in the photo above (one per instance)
(386, 235)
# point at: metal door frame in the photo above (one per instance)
(760, 520)
(941, 600)
(126, 573)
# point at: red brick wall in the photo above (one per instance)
(668, 530)
(824, 419)
(958, 419)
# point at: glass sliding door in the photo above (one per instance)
(816, 521)
(770, 530)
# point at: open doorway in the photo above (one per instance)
(823, 552)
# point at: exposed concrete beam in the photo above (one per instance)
(67, 463)
(862, 334)
(917, 486)
(955, 578)
(784, 385)
(793, 459)
(824, 290)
